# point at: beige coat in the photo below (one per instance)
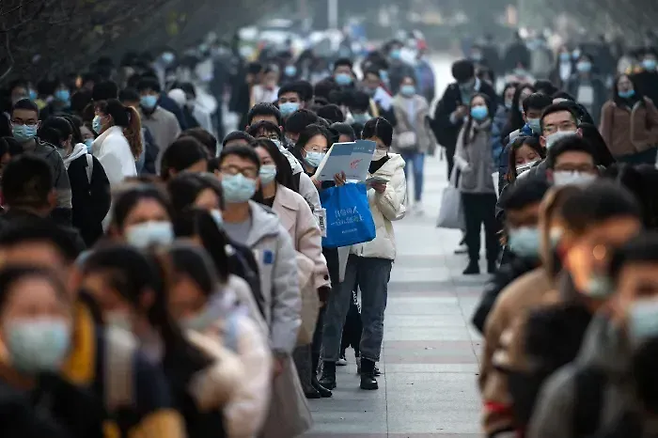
(418, 125)
(629, 131)
(296, 217)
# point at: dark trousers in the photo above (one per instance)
(480, 208)
(450, 158)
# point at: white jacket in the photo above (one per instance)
(111, 148)
(385, 208)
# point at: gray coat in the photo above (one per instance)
(277, 263)
(607, 349)
(418, 124)
(475, 160)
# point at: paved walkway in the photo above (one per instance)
(429, 360)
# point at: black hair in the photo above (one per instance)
(537, 101)
(55, 130)
(507, 86)
(637, 97)
(283, 169)
(524, 192)
(602, 155)
(378, 127)
(545, 86)
(204, 137)
(187, 87)
(515, 119)
(603, 200)
(42, 231)
(340, 62)
(299, 120)
(305, 89)
(193, 262)
(290, 87)
(463, 70)
(344, 129)
(79, 101)
(129, 95)
(530, 141)
(25, 104)
(75, 123)
(9, 145)
(126, 117)
(324, 88)
(264, 109)
(360, 101)
(181, 154)
(332, 113)
(237, 135)
(563, 95)
(185, 188)
(12, 274)
(559, 107)
(147, 82)
(469, 122)
(105, 90)
(307, 134)
(254, 68)
(372, 71)
(255, 130)
(126, 201)
(27, 181)
(572, 143)
(245, 152)
(641, 249)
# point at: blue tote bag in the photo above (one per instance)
(349, 220)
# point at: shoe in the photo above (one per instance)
(473, 268)
(492, 267)
(461, 249)
(312, 394)
(328, 379)
(324, 392)
(342, 361)
(368, 381)
(377, 372)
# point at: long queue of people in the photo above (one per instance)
(569, 317)
(157, 282)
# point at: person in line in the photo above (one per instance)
(507, 99)
(453, 108)
(236, 138)
(603, 216)
(267, 90)
(398, 69)
(525, 152)
(9, 148)
(411, 137)
(563, 69)
(588, 88)
(150, 151)
(629, 124)
(369, 264)
(119, 141)
(162, 124)
(474, 160)
(89, 184)
(184, 155)
(647, 78)
(296, 123)
(571, 161)
(291, 98)
(298, 219)
(264, 112)
(516, 120)
(25, 124)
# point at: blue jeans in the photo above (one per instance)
(417, 161)
(371, 275)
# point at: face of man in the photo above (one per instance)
(559, 121)
(290, 97)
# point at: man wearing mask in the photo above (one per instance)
(452, 109)
(571, 161)
(24, 124)
(588, 87)
(290, 99)
(397, 68)
(343, 73)
(647, 79)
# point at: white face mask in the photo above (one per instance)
(556, 136)
(565, 178)
(378, 154)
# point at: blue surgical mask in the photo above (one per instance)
(33, 95)
(476, 56)
(238, 188)
(62, 95)
(479, 112)
(168, 57)
(37, 345)
(643, 320)
(626, 94)
(267, 173)
(407, 90)
(396, 54)
(158, 233)
(24, 133)
(535, 125)
(649, 64)
(584, 66)
(361, 118)
(565, 57)
(383, 74)
(524, 242)
(343, 79)
(575, 54)
(97, 125)
(288, 108)
(314, 158)
(89, 143)
(290, 70)
(599, 286)
(148, 102)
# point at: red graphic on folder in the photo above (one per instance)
(354, 164)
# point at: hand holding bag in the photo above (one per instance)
(349, 220)
(451, 213)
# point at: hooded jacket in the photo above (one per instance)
(385, 208)
(475, 159)
(113, 151)
(275, 255)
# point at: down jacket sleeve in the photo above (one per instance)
(286, 297)
(392, 202)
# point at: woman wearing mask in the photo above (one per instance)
(369, 264)
(503, 111)
(587, 87)
(411, 137)
(524, 154)
(629, 124)
(131, 292)
(142, 217)
(119, 141)
(515, 121)
(200, 300)
(297, 218)
(473, 159)
(36, 316)
(90, 188)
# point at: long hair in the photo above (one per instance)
(469, 122)
(531, 142)
(129, 119)
(515, 120)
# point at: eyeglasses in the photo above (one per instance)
(20, 122)
(248, 172)
(567, 125)
(571, 167)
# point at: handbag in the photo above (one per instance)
(451, 212)
(407, 140)
(349, 220)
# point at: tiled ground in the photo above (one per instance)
(429, 359)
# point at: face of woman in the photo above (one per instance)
(317, 143)
(525, 154)
(86, 133)
(343, 138)
(198, 167)
(265, 157)
(624, 84)
(186, 298)
(509, 96)
(146, 210)
(35, 325)
(524, 94)
(207, 199)
(478, 101)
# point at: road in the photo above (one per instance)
(430, 352)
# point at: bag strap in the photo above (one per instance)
(90, 167)
(590, 386)
(120, 351)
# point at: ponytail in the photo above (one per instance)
(133, 132)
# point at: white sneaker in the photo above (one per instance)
(341, 362)
(418, 207)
